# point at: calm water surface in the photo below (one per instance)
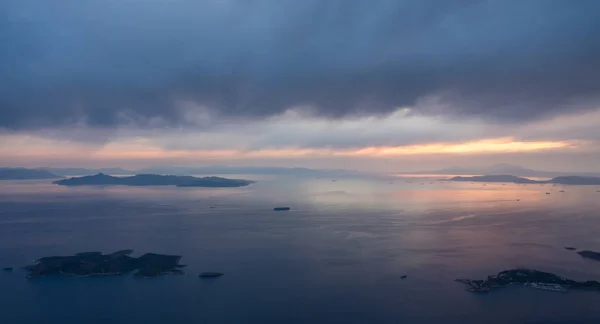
(336, 257)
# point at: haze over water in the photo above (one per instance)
(336, 257)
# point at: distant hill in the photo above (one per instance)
(505, 168)
(84, 171)
(209, 170)
(152, 180)
(25, 174)
(566, 180)
(302, 172)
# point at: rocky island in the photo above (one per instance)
(530, 278)
(95, 263)
(101, 179)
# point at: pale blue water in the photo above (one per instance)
(337, 257)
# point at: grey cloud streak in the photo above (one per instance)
(106, 63)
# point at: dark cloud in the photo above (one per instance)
(104, 63)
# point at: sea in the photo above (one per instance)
(338, 256)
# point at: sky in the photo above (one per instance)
(373, 85)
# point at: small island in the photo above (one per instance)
(101, 179)
(530, 278)
(95, 263)
(590, 255)
(564, 180)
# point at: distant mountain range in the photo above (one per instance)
(505, 168)
(51, 173)
(565, 180)
(250, 170)
(84, 171)
(152, 180)
(25, 174)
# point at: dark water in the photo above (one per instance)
(337, 257)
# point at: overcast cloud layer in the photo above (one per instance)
(109, 63)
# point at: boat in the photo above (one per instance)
(210, 274)
(281, 208)
(546, 286)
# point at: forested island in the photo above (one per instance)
(96, 263)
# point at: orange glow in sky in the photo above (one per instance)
(501, 145)
(145, 149)
(508, 145)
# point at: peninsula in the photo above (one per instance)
(25, 174)
(102, 179)
(530, 278)
(564, 180)
(95, 263)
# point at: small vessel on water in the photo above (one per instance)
(210, 274)
(546, 286)
(281, 208)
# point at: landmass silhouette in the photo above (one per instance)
(565, 180)
(102, 179)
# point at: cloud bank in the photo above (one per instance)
(108, 64)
